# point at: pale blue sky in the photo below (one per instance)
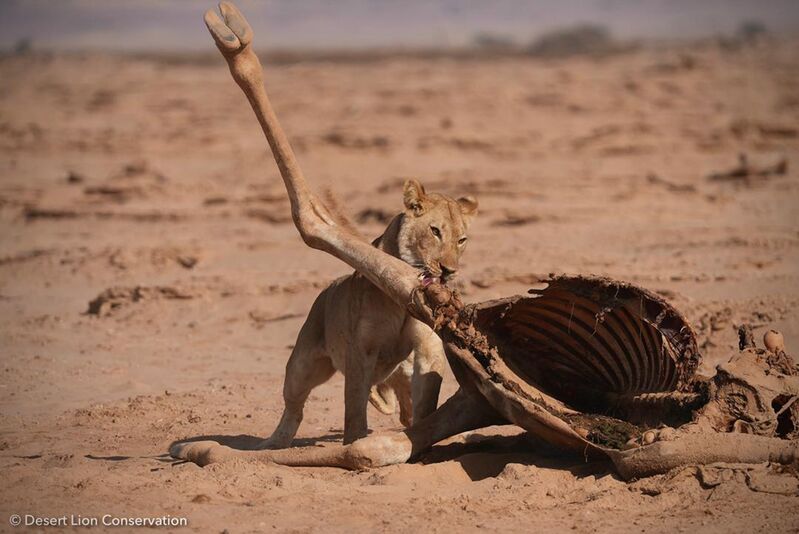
(177, 24)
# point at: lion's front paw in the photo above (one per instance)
(201, 453)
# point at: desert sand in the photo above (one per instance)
(152, 284)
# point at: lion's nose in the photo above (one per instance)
(447, 272)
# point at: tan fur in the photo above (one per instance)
(353, 327)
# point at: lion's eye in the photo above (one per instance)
(462, 240)
(436, 231)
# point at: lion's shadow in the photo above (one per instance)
(246, 442)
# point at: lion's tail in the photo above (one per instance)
(383, 397)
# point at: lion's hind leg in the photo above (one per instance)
(383, 398)
(400, 382)
(307, 368)
(395, 390)
(429, 362)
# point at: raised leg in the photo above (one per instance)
(317, 227)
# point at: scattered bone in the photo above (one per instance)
(774, 341)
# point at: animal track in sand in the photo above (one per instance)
(115, 298)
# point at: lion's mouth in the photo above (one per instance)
(428, 278)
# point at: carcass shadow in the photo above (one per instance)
(486, 456)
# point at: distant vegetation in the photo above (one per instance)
(596, 40)
(23, 46)
(586, 39)
(749, 33)
(492, 41)
(751, 30)
(582, 40)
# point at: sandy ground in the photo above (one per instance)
(153, 178)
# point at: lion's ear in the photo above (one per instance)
(413, 196)
(468, 205)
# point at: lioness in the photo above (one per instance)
(355, 328)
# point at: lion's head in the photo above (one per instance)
(433, 232)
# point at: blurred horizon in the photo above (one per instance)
(176, 26)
